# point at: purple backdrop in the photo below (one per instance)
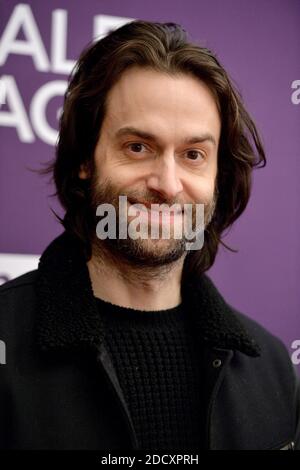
(259, 44)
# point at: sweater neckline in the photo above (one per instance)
(116, 313)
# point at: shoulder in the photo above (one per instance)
(18, 295)
(19, 283)
(17, 313)
(267, 340)
(274, 365)
(273, 351)
(254, 328)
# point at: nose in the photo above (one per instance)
(164, 178)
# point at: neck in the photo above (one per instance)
(139, 287)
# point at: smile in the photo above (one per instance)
(154, 208)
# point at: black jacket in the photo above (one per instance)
(59, 390)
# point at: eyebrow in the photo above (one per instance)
(206, 137)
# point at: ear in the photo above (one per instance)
(84, 172)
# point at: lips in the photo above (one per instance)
(149, 204)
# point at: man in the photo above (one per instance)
(124, 342)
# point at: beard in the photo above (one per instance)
(140, 252)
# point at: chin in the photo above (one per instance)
(151, 252)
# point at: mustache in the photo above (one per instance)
(135, 197)
(106, 193)
(148, 202)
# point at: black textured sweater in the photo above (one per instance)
(157, 362)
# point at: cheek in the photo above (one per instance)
(117, 177)
(203, 190)
(110, 165)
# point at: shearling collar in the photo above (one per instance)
(68, 315)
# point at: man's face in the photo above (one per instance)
(158, 144)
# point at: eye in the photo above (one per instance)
(136, 147)
(195, 155)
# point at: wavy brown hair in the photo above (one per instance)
(165, 48)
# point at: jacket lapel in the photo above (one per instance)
(68, 316)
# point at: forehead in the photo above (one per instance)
(144, 95)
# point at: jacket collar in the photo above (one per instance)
(68, 315)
